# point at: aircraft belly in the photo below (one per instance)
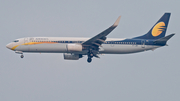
(106, 48)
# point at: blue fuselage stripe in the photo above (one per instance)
(126, 41)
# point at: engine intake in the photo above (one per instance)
(69, 56)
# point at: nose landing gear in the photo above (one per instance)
(22, 56)
(20, 52)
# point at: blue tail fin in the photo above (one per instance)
(158, 30)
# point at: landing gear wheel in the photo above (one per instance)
(22, 56)
(91, 55)
(89, 60)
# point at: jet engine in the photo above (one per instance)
(69, 56)
(74, 47)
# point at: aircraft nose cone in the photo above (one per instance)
(9, 46)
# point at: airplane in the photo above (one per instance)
(75, 48)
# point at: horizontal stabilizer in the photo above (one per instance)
(164, 39)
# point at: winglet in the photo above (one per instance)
(101, 36)
(117, 21)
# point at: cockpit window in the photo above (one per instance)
(16, 41)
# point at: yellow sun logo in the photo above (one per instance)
(158, 29)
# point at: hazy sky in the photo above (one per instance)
(147, 76)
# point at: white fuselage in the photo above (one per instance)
(59, 45)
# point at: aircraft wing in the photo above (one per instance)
(101, 37)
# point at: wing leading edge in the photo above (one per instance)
(101, 37)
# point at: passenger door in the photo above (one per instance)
(25, 41)
(143, 43)
(26, 45)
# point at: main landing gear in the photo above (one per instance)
(89, 60)
(90, 56)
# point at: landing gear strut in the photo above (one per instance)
(20, 52)
(90, 56)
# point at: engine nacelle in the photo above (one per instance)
(69, 56)
(74, 47)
